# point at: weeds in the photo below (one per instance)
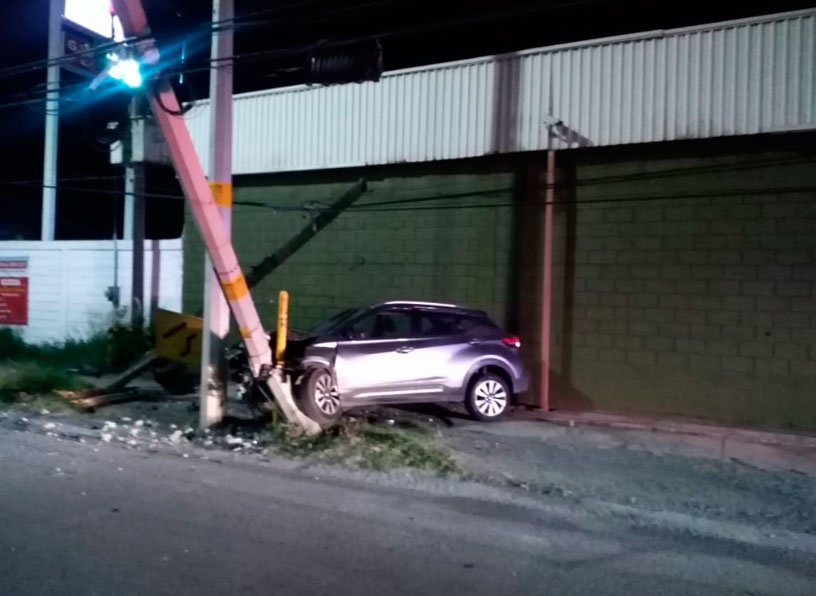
(104, 352)
(19, 381)
(90, 353)
(364, 445)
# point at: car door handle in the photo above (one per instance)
(405, 349)
(474, 342)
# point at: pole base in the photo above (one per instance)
(281, 390)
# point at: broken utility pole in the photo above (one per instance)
(168, 115)
(277, 258)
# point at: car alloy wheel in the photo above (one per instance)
(325, 394)
(490, 397)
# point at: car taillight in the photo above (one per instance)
(512, 341)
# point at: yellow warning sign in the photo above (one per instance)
(178, 336)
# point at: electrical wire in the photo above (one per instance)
(209, 27)
(696, 170)
(295, 50)
(399, 205)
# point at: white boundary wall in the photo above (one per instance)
(68, 279)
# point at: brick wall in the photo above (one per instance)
(418, 248)
(694, 287)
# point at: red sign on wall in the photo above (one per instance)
(13, 290)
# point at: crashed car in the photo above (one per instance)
(387, 353)
(398, 353)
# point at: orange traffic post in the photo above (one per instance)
(283, 327)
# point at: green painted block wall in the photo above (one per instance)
(415, 246)
(695, 287)
(693, 276)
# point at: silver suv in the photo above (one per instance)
(407, 352)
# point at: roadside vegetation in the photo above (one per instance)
(358, 443)
(32, 375)
(29, 372)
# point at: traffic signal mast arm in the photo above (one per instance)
(165, 108)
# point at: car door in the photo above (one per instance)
(374, 354)
(437, 340)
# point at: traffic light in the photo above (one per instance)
(355, 63)
(127, 70)
(120, 66)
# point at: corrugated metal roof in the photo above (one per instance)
(734, 78)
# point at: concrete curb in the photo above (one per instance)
(763, 449)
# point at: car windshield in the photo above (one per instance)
(327, 327)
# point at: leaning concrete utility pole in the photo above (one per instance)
(52, 102)
(168, 115)
(214, 369)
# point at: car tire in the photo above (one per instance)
(317, 396)
(488, 397)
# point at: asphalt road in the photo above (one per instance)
(98, 519)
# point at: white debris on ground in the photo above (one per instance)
(141, 432)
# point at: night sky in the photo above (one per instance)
(273, 41)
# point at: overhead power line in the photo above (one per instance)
(420, 203)
(249, 21)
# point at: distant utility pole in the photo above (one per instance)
(214, 374)
(52, 101)
(134, 223)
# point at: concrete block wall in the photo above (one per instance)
(694, 287)
(415, 246)
(683, 274)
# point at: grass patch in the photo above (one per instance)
(360, 444)
(104, 352)
(90, 353)
(21, 382)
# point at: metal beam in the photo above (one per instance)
(546, 302)
(52, 104)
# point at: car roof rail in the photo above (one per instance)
(420, 303)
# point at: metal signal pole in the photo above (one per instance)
(52, 101)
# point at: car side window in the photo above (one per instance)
(436, 324)
(476, 325)
(384, 324)
(440, 324)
